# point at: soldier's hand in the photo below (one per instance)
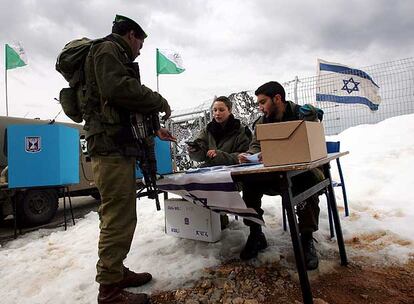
(164, 134)
(211, 153)
(243, 158)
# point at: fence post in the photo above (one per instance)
(295, 89)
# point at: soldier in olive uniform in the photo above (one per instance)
(271, 100)
(114, 91)
(223, 139)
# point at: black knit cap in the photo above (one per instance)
(119, 20)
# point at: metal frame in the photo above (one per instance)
(66, 193)
(289, 201)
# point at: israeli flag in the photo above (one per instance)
(212, 188)
(342, 84)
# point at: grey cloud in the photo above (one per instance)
(46, 25)
(268, 27)
(335, 25)
(40, 25)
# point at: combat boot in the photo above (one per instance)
(255, 242)
(112, 294)
(133, 279)
(309, 251)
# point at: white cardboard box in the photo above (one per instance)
(186, 220)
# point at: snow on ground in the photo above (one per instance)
(55, 266)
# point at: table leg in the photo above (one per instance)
(70, 205)
(286, 190)
(284, 219)
(14, 205)
(335, 214)
(64, 208)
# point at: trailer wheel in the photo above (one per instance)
(37, 207)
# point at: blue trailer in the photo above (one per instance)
(34, 180)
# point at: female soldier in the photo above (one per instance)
(223, 139)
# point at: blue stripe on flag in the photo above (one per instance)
(347, 100)
(225, 187)
(345, 70)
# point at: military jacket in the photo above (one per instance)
(292, 113)
(232, 141)
(113, 91)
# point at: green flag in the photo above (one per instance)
(169, 62)
(15, 57)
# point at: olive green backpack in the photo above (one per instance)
(70, 63)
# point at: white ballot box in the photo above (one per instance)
(186, 220)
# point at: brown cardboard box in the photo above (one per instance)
(291, 142)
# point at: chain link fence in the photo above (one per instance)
(396, 89)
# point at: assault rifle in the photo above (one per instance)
(144, 128)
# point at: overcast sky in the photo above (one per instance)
(226, 45)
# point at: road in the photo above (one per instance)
(81, 206)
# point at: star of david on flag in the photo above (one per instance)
(350, 85)
(342, 84)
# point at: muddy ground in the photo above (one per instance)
(236, 282)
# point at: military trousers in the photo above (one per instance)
(308, 212)
(114, 176)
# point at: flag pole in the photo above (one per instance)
(156, 67)
(5, 78)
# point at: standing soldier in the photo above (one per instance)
(113, 92)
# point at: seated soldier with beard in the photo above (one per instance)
(275, 108)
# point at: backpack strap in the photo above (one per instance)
(122, 50)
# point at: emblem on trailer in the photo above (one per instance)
(33, 144)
